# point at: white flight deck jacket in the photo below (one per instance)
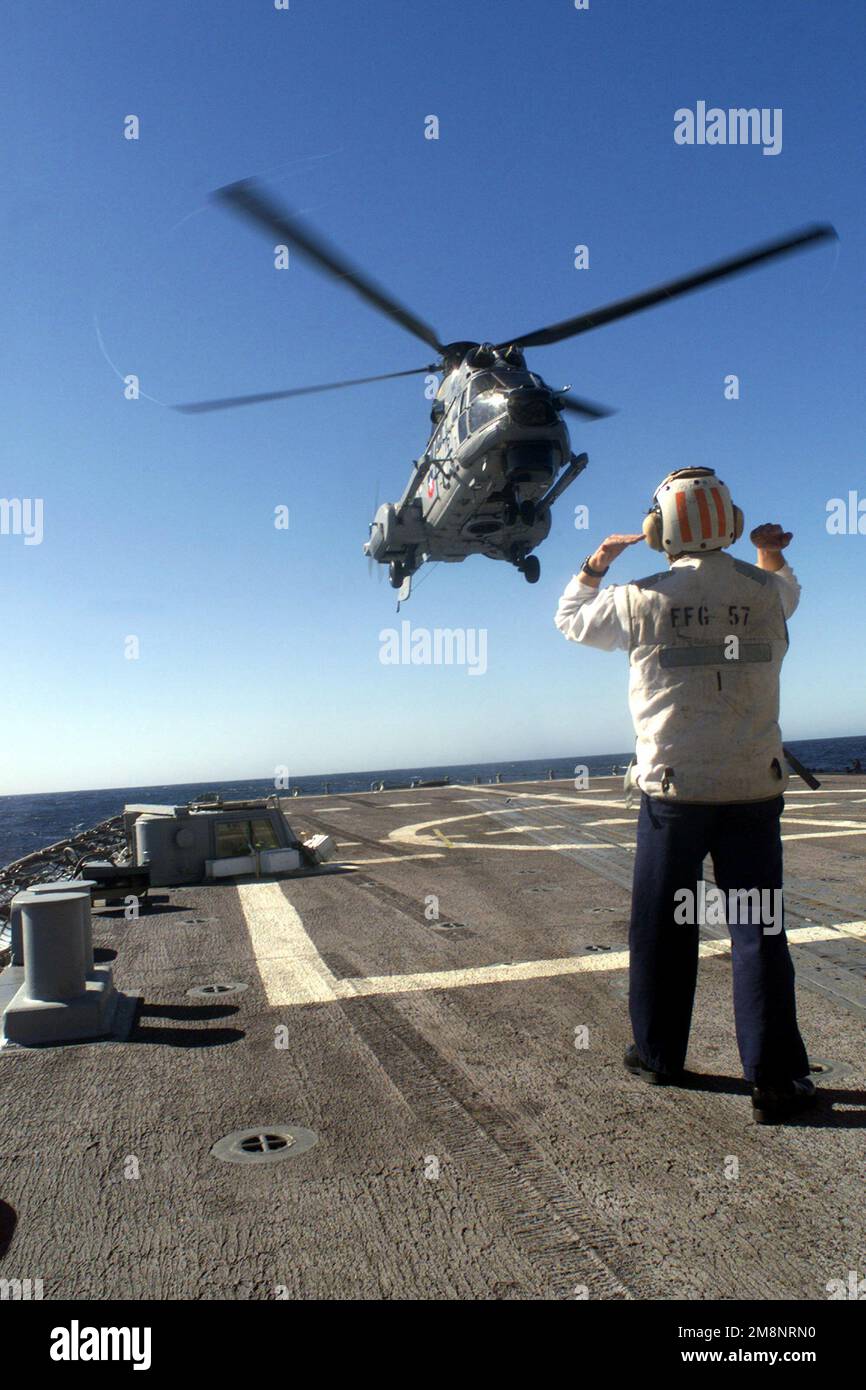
(705, 708)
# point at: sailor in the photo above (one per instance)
(706, 639)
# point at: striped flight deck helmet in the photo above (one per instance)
(692, 511)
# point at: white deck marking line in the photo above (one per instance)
(425, 832)
(392, 859)
(290, 966)
(574, 798)
(414, 834)
(823, 820)
(823, 834)
(828, 791)
(293, 972)
(531, 830)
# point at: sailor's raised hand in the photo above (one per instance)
(612, 547)
(770, 536)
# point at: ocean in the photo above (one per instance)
(28, 823)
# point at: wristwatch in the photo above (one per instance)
(586, 568)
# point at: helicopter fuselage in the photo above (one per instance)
(497, 445)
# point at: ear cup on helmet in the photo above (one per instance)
(739, 522)
(652, 530)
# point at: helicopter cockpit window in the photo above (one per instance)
(486, 408)
(482, 381)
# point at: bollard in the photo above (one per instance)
(59, 885)
(81, 888)
(58, 1000)
(53, 937)
(16, 949)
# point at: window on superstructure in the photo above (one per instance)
(263, 835)
(232, 838)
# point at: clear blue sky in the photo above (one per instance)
(261, 647)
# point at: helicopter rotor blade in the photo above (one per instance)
(588, 409)
(249, 199)
(229, 402)
(719, 270)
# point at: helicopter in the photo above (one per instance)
(499, 453)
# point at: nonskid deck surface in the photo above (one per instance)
(424, 1011)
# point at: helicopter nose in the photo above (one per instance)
(530, 406)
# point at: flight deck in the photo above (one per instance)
(423, 1040)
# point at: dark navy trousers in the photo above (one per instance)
(745, 844)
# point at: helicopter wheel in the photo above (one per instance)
(530, 568)
(396, 574)
(527, 513)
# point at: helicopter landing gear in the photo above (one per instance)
(530, 568)
(513, 509)
(396, 574)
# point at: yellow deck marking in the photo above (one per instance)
(444, 838)
(293, 972)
